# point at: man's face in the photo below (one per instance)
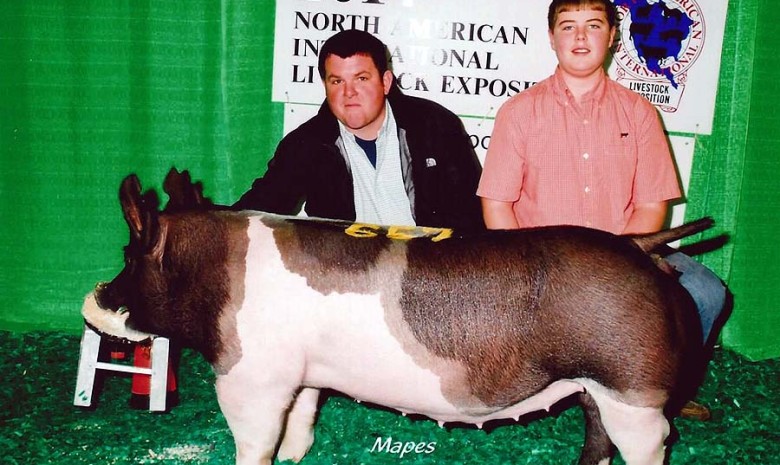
(581, 40)
(356, 93)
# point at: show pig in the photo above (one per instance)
(459, 329)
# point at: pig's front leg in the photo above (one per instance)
(254, 413)
(299, 429)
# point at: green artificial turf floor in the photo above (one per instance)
(40, 425)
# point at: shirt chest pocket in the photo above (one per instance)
(617, 164)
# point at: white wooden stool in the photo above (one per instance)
(89, 364)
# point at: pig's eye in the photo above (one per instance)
(130, 263)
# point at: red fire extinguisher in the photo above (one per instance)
(141, 384)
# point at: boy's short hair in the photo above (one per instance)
(354, 42)
(557, 6)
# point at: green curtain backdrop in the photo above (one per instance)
(92, 90)
(735, 177)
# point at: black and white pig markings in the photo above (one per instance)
(459, 329)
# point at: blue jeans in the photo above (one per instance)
(704, 286)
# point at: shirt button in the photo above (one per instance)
(587, 189)
(586, 155)
(585, 122)
(588, 224)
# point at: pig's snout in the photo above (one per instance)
(108, 322)
(106, 299)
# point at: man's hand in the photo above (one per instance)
(647, 218)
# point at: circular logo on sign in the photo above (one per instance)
(659, 39)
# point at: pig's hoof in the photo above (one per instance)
(295, 446)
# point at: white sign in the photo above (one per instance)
(472, 57)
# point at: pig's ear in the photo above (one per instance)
(130, 198)
(181, 196)
(174, 186)
(200, 199)
(140, 210)
(184, 195)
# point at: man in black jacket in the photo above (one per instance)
(372, 154)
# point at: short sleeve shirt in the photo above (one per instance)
(586, 164)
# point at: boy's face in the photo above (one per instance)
(355, 92)
(581, 40)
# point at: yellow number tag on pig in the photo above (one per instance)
(402, 233)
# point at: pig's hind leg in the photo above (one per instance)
(598, 449)
(299, 428)
(638, 432)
